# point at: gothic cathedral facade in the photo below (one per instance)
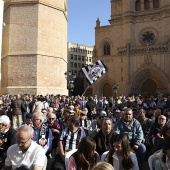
(135, 48)
(34, 47)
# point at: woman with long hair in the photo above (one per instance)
(161, 158)
(120, 155)
(85, 157)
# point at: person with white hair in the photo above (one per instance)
(55, 128)
(26, 154)
(7, 137)
(42, 133)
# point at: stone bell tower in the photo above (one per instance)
(34, 47)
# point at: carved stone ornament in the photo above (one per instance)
(148, 36)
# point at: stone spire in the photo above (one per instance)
(97, 22)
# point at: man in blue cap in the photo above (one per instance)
(96, 124)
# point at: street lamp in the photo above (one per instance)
(115, 88)
(70, 77)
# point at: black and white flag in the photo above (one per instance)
(93, 72)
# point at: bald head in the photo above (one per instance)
(28, 129)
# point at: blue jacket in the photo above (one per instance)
(133, 130)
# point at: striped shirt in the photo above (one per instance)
(71, 139)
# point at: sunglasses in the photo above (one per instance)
(51, 118)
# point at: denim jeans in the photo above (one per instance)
(24, 116)
(140, 154)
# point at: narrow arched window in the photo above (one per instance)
(146, 4)
(138, 5)
(106, 49)
(155, 3)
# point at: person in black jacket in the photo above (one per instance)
(90, 105)
(103, 137)
(7, 138)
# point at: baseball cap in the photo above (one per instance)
(29, 116)
(5, 120)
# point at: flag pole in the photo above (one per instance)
(86, 89)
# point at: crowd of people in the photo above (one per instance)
(114, 133)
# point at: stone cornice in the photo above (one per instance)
(143, 49)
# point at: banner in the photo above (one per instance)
(93, 72)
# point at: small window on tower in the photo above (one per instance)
(138, 5)
(146, 4)
(106, 49)
(155, 3)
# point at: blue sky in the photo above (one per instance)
(82, 16)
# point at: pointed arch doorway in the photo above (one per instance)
(107, 90)
(149, 87)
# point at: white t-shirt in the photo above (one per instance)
(35, 155)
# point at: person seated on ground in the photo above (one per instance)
(44, 111)
(60, 113)
(154, 135)
(55, 128)
(84, 158)
(165, 112)
(26, 154)
(121, 155)
(49, 111)
(42, 133)
(161, 158)
(103, 166)
(96, 124)
(90, 105)
(132, 128)
(146, 124)
(136, 114)
(69, 139)
(164, 132)
(93, 113)
(150, 114)
(28, 119)
(156, 114)
(84, 121)
(77, 110)
(102, 138)
(161, 102)
(117, 116)
(7, 137)
(82, 102)
(64, 120)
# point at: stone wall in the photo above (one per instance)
(34, 53)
